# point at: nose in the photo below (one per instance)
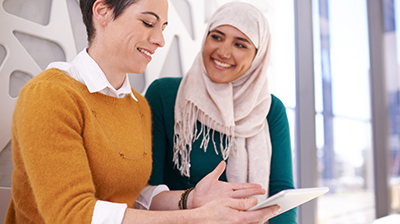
(157, 38)
(224, 50)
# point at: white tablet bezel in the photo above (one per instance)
(291, 198)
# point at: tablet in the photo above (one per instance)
(291, 198)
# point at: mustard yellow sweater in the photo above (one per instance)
(63, 159)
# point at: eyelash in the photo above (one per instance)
(216, 37)
(147, 24)
(241, 45)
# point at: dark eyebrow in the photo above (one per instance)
(243, 39)
(238, 38)
(217, 31)
(155, 15)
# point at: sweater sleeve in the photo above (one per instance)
(47, 127)
(281, 162)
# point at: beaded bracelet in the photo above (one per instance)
(182, 204)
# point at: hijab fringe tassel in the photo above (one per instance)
(188, 133)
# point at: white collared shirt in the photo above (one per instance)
(84, 69)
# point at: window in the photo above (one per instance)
(343, 119)
(391, 14)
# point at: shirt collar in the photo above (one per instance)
(84, 69)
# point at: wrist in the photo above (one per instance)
(190, 199)
(183, 200)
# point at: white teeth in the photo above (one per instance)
(222, 64)
(144, 51)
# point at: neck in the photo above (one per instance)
(116, 81)
(115, 78)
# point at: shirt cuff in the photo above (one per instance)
(108, 212)
(147, 194)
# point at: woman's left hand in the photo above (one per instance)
(210, 188)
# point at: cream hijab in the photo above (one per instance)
(237, 109)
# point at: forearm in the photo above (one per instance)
(169, 200)
(164, 217)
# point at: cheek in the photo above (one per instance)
(116, 39)
(248, 63)
(245, 61)
(209, 48)
(206, 52)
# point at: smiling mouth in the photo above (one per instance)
(221, 64)
(144, 52)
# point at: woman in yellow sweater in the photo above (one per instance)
(81, 136)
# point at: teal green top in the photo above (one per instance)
(161, 96)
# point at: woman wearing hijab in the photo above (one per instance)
(222, 110)
(81, 136)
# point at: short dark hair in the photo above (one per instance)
(118, 6)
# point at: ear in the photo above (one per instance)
(101, 13)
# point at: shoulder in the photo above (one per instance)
(164, 86)
(161, 96)
(51, 82)
(276, 105)
(163, 91)
(50, 75)
(48, 95)
(51, 90)
(277, 110)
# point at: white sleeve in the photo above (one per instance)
(106, 212)
(147, 194)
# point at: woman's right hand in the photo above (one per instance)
(210, 188)
(229, 210)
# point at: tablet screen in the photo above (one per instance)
(291, 198)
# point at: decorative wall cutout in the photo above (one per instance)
(172, 65)
(209, 9)
(3, 53)
(16, 19)
(78, 28)
(17, 80)
(185, 12)
(35, 11)
(41, 50)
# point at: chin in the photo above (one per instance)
(138, 70)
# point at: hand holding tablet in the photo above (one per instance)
(288, 199)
